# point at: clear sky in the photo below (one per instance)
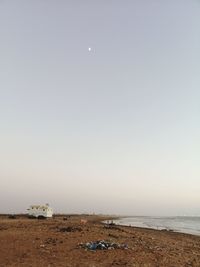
(112, 130)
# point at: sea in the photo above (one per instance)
(183, 224)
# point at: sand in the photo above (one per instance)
(29, 242)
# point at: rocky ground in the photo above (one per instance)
(54, 242)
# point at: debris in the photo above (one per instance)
(102, 245)
(51, 240)
(12, 216)
(111, 223)
(70, 229)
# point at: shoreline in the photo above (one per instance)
(152, 229)
(54, 242)
(168, 228)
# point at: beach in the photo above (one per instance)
(55, 242)
(183, 224)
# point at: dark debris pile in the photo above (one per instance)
(102, 245)
(70, 229)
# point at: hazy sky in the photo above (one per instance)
(111, 130)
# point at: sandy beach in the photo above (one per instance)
(54, 242)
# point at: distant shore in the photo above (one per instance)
(54, 242)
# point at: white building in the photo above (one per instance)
(38, 211)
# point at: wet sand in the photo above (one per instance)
(31, 242)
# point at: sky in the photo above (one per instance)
(99, 106)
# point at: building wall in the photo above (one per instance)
(46, 212)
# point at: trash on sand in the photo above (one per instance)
(102, 245)
(66, 217)
(111, 223)
(70, 229)
(12, 216)
(51, 240)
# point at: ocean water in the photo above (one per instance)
(189, 225)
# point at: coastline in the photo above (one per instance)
(26, 242)
(145, 222)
